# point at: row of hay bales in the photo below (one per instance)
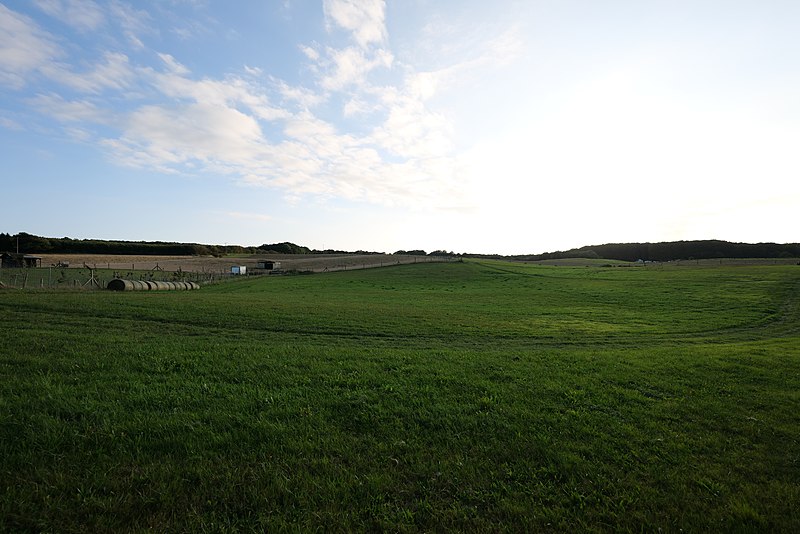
(118, 284)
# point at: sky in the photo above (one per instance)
(507, 127)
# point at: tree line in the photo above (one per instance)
(663, 251)
(33, 244)
(674, 250)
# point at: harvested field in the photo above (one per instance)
(93, 271)
(304, 262)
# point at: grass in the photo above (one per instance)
(479, 396)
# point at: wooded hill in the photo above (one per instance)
(32, 244)
(674, 250)
(663, 251)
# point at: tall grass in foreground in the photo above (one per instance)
(478, 396)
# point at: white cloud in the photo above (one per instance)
(309, 52)
(83, 15)
(55, 106)
(134, 40)
(412, 131)
(173, 65)
(359, 106)
(304, 97)
(313, 157)
(10, 124)
(410, 128)
(133, 22)
(192, 28)
(113, 73)
(79, 134)
(351, 65)
(407, 159)
(365, 19)
(189, 138)
(318, 134)
(125, 152)
(343, 68)
(24, 48)
(233, 91)
(184, 34)
(199, 132)
(259, 130)
(424, 85)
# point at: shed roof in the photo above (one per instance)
(20, 256)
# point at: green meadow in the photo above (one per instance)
(474, 396)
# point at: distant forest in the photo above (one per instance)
(32, 244)
(674, 250)
(665, 251)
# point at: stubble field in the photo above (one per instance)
(477, 396)
(297, 262)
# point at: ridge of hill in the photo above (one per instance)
(674, 250)
(661, 251)
(33, 244)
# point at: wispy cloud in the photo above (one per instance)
(232, 91)
(257, 129)
(302, 96)
(63, 110)
(350, 66)
(186, 30)
(114, 72)
(406, 159)
(204, 133)
(310, 52)
(133, 22)
(24, 48)
(83, 15)
(364, 19)
(10, 124)
(173, 65)
(412, 131)
(253, 71)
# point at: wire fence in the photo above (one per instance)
(89, 278)
(96, 277)
(384, 262)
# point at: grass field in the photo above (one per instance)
(478, 396)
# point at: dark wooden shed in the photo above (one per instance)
(269, 265)
(14, 260)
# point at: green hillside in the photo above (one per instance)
(479, 396)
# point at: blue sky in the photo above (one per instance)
(497, 127)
